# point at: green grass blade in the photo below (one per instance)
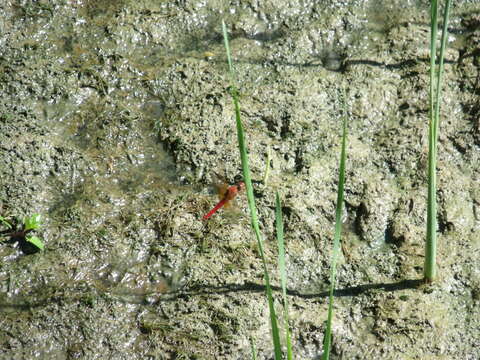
(336, 238)
(433, 51)
(253, 350)
(250, 198)
(435, 96)
(430, 246)
(443, 46)
(283, 272)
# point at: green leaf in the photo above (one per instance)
(36, 241)
(5, 222)
(32, 222)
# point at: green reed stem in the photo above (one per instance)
(336, 239)
(434, 99)
(250, 197)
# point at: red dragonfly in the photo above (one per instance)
(226, 194)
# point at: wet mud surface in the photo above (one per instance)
(115, 119)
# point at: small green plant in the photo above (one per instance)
(22, 234)
(336, 238)
(430, 271)
(250, 198)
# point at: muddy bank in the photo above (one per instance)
(115, 118)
